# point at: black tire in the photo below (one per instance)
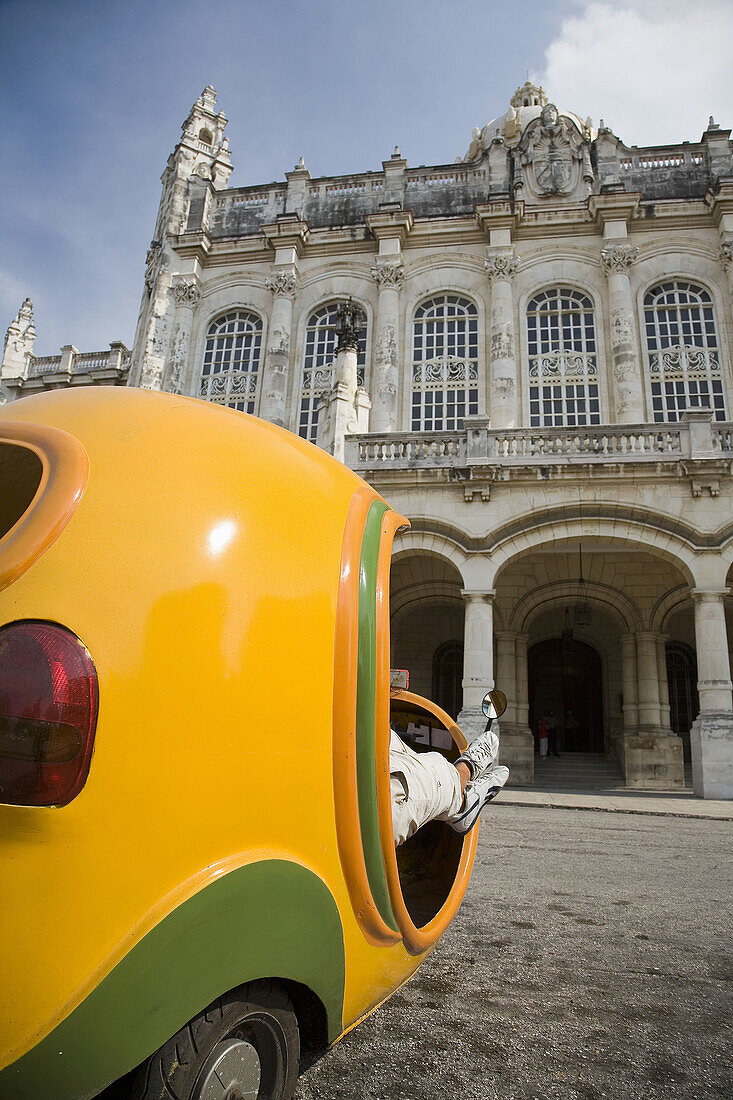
(261, 1015)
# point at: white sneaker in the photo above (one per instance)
(481, 754)
(479, 793)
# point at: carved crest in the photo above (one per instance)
(552, 155)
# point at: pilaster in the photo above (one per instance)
(283, 284)
(617, 256)
(186, 293)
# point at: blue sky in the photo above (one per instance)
(95, 94)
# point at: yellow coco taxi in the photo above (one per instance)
(198, 869)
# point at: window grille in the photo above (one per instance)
(232, 360)
(682, 344)
(318, 365)
(444, 363)
(563, 361)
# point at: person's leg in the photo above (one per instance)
(424, 787)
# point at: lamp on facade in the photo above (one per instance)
(349, 324)
(582, 614)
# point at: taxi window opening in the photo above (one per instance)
(428, 861)
(20, 476)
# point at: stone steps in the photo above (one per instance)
(577, 771)
(582, 771)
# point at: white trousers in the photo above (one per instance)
(424, 787)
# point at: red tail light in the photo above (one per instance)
(49, 701)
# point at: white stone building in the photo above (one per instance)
(542, 384)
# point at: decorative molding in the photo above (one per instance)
(502, 266)
(283, 284)
(389, 276)
(186, 294)
(618, 258)
(726, 256)
(153, 262)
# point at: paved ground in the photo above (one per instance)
(591, 958)
(664, 803)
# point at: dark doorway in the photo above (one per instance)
(448, 676)
(684, 703)
(565, 677)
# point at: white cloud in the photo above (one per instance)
(653, 71)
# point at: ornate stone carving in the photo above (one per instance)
(152, 374)
(726, 255)
(618, 258)
(153, 262)
(186, 294)
(389, 275)
(283, 284)
(503, 265)
(554, 154)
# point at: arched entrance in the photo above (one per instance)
(565, 677)
(427, 625)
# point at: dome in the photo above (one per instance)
(525, 106)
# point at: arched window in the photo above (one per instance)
(320, 351)
(232, 360)
(206, 136)
(444, 363)
(684, 361)
(563, 362)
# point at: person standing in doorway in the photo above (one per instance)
(542, 736)
(552, 734)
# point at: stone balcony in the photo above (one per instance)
(697, 447)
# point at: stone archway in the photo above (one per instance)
(427, 625)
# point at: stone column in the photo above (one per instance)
(478, 659)
(627, 379)
(516, 743)
(648, 682)
(665, 710)
(653, 757)
(501, 265)
(283, 285)
(187, 295)
(725, 256)
(711, 736)
(628, 673)
(345, 410)
(522, 681)
(506, 672)
(385, 375)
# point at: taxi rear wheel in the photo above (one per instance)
(244, 1046)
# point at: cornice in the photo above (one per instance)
(388, 224)
(498, 214)
(287, 231)
(614, 206)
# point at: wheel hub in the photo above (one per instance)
(232, 1072)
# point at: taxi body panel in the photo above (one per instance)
(211, 564)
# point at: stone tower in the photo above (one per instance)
(19, 341)
(199, 166)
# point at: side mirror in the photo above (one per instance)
(494, 704)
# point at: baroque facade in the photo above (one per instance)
(538, 376)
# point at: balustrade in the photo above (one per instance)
(527, 445)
